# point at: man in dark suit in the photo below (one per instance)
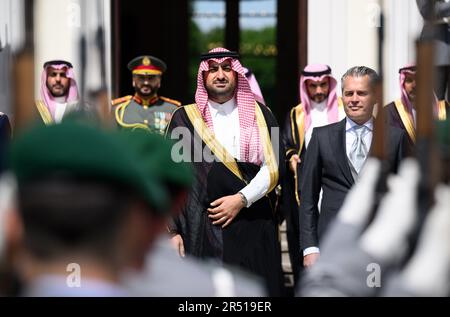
(335, 157)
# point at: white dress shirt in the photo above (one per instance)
(350, 137)
(319, 118)
(225, 119)
(60, 109)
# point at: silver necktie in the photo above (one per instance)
(358, 152)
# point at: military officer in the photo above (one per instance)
(146, 109)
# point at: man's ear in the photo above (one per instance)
(159, 82)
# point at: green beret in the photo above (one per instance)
(83, 151)
(147, 65)
(155, 154)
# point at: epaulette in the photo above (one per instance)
(118, 101)
(175, 102)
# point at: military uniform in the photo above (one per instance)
(136, 113)
(133, 112)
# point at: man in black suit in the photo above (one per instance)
(335, 157)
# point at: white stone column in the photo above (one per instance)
(403, 26)
(59, 27)
(12, 36)
(343, 33)
(57, 32)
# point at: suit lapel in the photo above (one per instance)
(338, 146)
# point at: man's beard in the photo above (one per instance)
(412, 97)
(319, 98)
(215, 93)
(218, 94)
(58, 93)
(151, 91)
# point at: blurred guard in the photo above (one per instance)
(145, 110)
(85, 202)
